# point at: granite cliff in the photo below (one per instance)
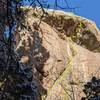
(64, 52)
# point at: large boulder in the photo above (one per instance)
(64, 52)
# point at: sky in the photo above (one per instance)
(87, 8)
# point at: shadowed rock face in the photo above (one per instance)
(63, 52)
(15, 77)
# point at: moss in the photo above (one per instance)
(81, 25)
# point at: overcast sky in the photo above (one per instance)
(86, 8)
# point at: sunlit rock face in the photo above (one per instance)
(64, 52)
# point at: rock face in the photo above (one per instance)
(64, 53)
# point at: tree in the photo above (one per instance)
(15, 78)
(92, 89)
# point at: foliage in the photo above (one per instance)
(92, 89)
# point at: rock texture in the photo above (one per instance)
(64, 52)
